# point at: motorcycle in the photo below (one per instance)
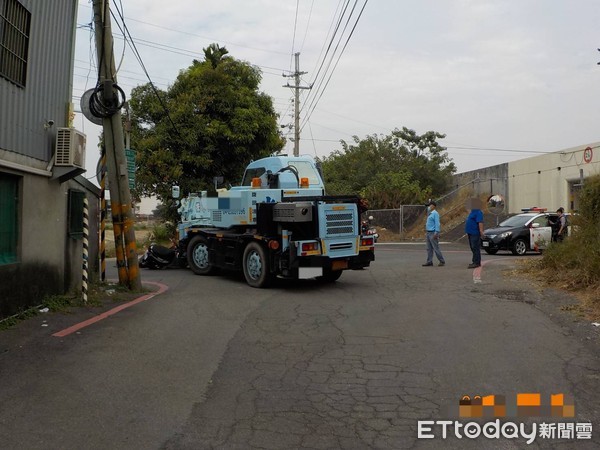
(368, 230)
(158, 257)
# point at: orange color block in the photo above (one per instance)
(529, 400)
(464, 410)
(488, 400)
(500, 411)
(477, 411)
(557, 399)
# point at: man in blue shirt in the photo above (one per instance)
(432, 235)
(474, 230)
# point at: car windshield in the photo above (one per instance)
(515, 221)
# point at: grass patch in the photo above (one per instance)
(99, 295)
(574, 265)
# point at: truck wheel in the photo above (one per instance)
(329, 276)
(519, 247)
(256, 266)
(198, 256)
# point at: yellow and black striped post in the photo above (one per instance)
(103, 215)
(118, 231)
(84, 277)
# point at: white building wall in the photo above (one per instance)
(550, 180)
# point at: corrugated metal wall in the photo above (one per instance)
(24, 111)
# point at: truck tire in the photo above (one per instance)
(519, 247)
(330, 276)
(256, 266)
(198, 256)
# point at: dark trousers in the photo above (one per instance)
(475, 244)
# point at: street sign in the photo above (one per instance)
(588, 154)
(130, 155)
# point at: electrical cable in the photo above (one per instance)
(318, 92)
(307, 26)
(202, 37)
(191, 53)
(337, 26)
(106, 106)
(294, 34)
(139, 58)
(336, 64)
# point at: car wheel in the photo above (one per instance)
(491, 251)
(198, 256)
(256, 266)
(519, 247)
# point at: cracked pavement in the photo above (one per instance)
(354, 364)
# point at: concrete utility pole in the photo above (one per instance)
(121, 206)
(297, 88)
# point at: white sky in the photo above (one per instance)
(511, 74)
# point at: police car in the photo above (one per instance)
(529, 231)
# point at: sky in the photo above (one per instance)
(503, 80)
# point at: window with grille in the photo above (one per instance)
(15, 22)
(9, 210)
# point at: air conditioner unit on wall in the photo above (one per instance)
(70, 148)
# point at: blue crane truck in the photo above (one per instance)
(277, 223)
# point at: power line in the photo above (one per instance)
(342, 13)
(338, 60)
(191, 53)
(307, 25)
(139, 58)
(200, 36)
(510, 150)
(294, 34)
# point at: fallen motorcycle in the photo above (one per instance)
(158, 257)
(368, 230)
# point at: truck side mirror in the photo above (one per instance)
(175, 192)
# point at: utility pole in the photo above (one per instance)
(297, 88)
(121, 206)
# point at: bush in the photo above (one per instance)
(162, 232)
(575, 263)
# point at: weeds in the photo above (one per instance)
(574, 264)
(98, 296)
(161, 233)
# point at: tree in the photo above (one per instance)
(217, 121)
(392, 170)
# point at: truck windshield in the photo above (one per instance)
(252, 173)
(306, 170)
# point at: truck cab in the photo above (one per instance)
(304, 167)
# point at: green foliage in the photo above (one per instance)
(388, 171)
(162, 232)
(589, 201)
(60, 303)
(575, 263)
(220, 121)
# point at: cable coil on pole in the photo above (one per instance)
(107, 99)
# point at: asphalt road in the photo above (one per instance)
(212, 363)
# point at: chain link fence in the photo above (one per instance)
(397, 224)
(408, 221)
